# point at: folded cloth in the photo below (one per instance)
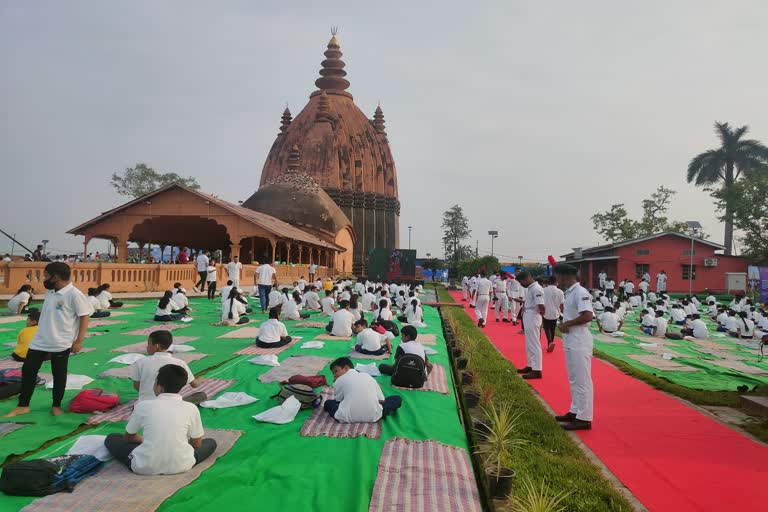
(90, 445)
(186, 319)
(617, 334)
(230, 399)
(127, 358)
(180, 348)
(73, 381)
(667, 356)
(370, 369)
(648, 345)
(282, 414)
(266, 360)
(313, 344)
(430, 351)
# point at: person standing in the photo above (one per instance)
(233, 271)
(202, 262)
(647, 276)
(183, 256)
(534, 309)
(39, 254)
(473, 291)
(629, 288)
(661, 282)
(265, 277)
(483, 299)
(501, 307)
(553, 309)
(577, 344)
(514, 293)
(464, 288)
(312, 272)
(61, 331)
(610, 286)
(602, 277)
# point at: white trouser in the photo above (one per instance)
(464, 292)
(502, 306)
(578, 360)
(514, 308)
(472, 297)
(236, 282)
(481, 308)
(532, 324)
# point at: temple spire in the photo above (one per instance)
(286, 120)
(332, 73)
(323, 108)
(378, 121)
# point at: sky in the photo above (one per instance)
(530, 115)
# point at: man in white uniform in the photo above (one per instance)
(312, 272)
(202, 271)
(233, 271)
(602, 277)
(514, 292)
(483, 299)
(577, 343)
(464, 288)
(553, 309)
(265, 277)
(501, 307)
(473, 291)
(534, 309)
(661, 282)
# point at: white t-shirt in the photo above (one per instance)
(265, 272)
(609, 321)
(648, 320)
(59, 323)
(94, 302)
(699, 329)
(20, 299)
(414, 316)
(312, 268)
(629, 287)
(211, 277)
(168, 423)
(385, 314)
(312, 300)
(225, 292)
(327, 305)
(272, 330)
(534, 296)
(104, 298)
(661, 280)
(370, 339)
(275, 298)
(145, 372)
(577, 301)
(677, 314)
(233, 270)
(634, 301)
(553, 300)
(602, 276)
(610, 284)
(342, 323)
(179, 301)
(414, 347)
(291, 310)
(238, 309)
(730, 323)
(484, 286)
(643, 286)
(167, 310)
(359, 395)
(202, 263)
(661, 326)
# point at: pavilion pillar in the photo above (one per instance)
(301, 250)
(274, 249)
(85, 247)
(253, 249)
(121, 246)
(288, 254)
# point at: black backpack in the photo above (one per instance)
(306, 395)
(410, 372)
(389, 326)
(41, 477)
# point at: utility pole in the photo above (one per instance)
(477, 248)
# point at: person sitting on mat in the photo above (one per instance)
(745, 328)
(106, 298)
(409, 345)
(19, 302)
(96, 304)
(292, 307)
(164, 311)
(414, 315)
(233, 310)
(311, 299)
(341, 321)
(370, 342)
(357, 396)
(179, 301)
(609, 321)
(25, 336)
(647, 322)
(660, 328)
(383, 313)
(696, 328)
(173, 431)
(327, 304)
(275, 298)
(272, 332)
(145, 369)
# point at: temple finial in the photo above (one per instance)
(286, 120)
(332, 73)
(378, 121)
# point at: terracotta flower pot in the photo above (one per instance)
(499, 485)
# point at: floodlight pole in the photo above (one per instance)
(690, 268)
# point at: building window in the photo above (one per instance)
(689, 252)
(689, 272)
(643, 252)
(641, 269)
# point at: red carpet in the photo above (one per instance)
(672, 457)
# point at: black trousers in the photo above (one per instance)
(279, 344)
(120, 449)
(549, 329)
(201, 283)
(35, 358)
(101, 314)
(211, 290)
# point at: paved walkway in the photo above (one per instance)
(670, 456)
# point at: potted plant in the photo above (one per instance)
(539, 497)
(471, 398)
(467, 377)
(461, 363)
(499, 444)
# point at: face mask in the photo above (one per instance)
(49, 284)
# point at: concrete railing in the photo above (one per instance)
(132, 277)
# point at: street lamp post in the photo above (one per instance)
(519, 261)
(409, 236)
(493, 234)
(694, 226)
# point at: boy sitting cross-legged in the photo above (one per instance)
(173, 431)
(370, 342)
(145, 369)
(358, 398)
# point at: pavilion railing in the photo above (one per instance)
(133, 277)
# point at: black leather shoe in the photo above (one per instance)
(533, 374)
(524, 370)
(566, 418)
(578, 425)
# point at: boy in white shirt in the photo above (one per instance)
(145, 369)
(609, 321)
(327, 304)
(722, 319)
(660, 329)
(697, 329)
(648, 322)
(210, 277)
(61, 331)
(341, 321)
(357, 397)
(311, 299)
(233, 271)
(173, 431)
(409, 345)
(272, 333)
(678, 314)
(180, 301)
(368, 300)
(275, 298)
(370, 342)
(96, 304)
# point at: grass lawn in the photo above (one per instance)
(550, 455)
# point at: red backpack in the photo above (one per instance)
(93, 400)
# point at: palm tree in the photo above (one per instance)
(734, 157)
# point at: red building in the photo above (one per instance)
(670, 252)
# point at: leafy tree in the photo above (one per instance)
(455, 230)
(615, 224)
(734, 158)
(749, 208)
(141, 180)
(471, 267)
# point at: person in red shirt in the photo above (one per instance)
(183, 256)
